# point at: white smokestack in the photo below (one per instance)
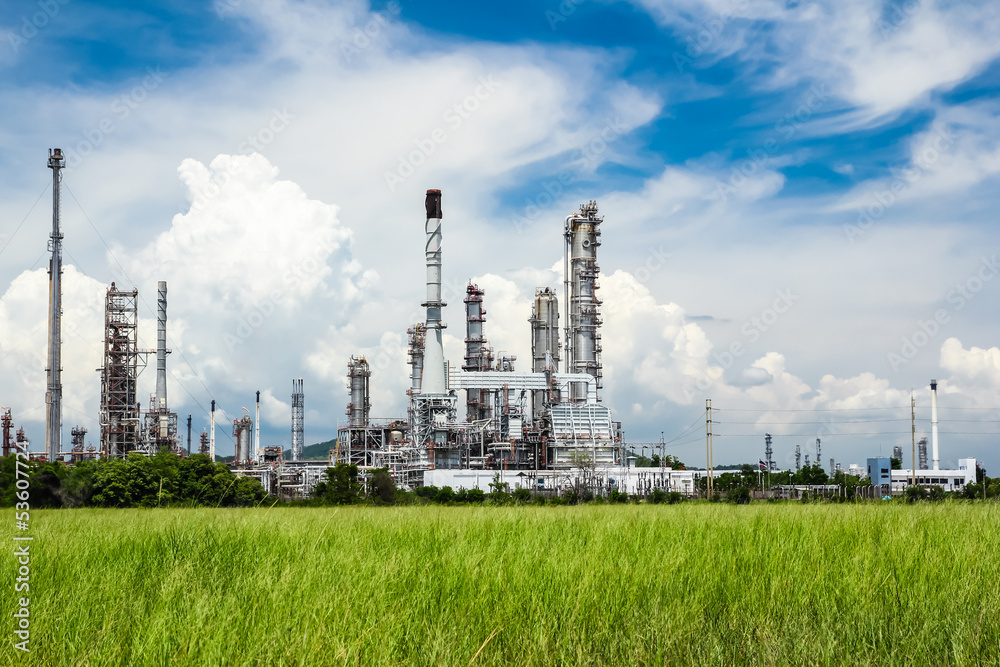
(433, 377)
(211, 438)
(934, 426)
(256, 430)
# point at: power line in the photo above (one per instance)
(48, 184)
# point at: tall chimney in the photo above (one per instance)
(934, 427)
(53, 393)
(211, 438)
(433, 381)
(161, 345)
(256, 430)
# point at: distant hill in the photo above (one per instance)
(321, 450)
(318, 452)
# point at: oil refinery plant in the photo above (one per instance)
(538, 420)
(541, 429)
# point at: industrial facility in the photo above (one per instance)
(537, 420)
(544, 428)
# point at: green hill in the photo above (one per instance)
(318, 452)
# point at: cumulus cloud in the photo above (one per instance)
(24, 348)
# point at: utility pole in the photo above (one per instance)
(913, 438)
(710, 486)
(189, 435)
(53, 394)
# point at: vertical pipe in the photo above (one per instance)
(211, 436)
(53, 396)
(433, 372)
(934, 426)
(256, 430)
(161, 346)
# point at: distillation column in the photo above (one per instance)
(53, 395)
(545, 345)
(359, 378)
(583, 340)
(478, 356)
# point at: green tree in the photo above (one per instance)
(341, 486)
(381, 487)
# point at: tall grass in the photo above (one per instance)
(693, 584)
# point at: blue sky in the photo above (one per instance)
(734, 148)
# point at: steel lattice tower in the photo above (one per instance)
(120, 432)
(298, 414)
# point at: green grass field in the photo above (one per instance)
(694, 584)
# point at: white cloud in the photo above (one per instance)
(879, 57)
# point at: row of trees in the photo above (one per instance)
(136, 481)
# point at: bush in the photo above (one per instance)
(936, 494)
(538, 499)
(674, 497)
(658, 497)
(475, 496)
(617, 496)
(521, 496)
(558, 500)
(445, 495)
(915, 493)
(427, 492)
(738, 496)
(381, 488)
(715, 498)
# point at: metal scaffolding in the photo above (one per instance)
(119, 412)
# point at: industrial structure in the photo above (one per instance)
(53, 393)
(298, 419)
(536, 420)
(121, 431)
(543, 428)
(161, 424)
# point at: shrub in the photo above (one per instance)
(658, 496)
(915, 493)
(739, 495)
(521, 496)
